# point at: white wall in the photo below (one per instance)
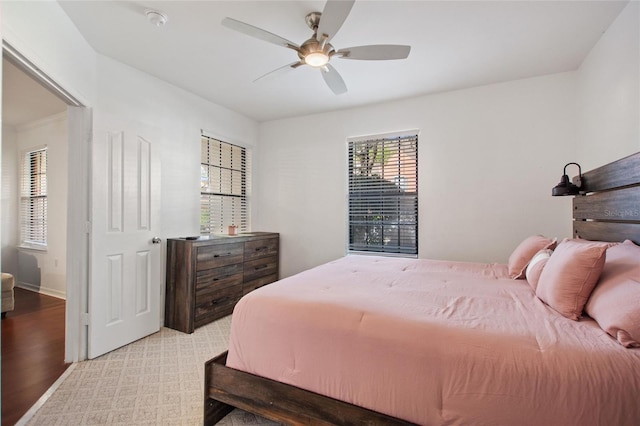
(9, 230)
(44, 34)
(4, 240)
(45, 271)
(609, 93)
(179, 116)
(488, 158)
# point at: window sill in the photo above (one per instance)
(33, 247)
(382, 253)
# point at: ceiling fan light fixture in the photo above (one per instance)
(317, 51)
(156, 18)
(316, 59)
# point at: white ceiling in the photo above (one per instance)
(455, 44)
(24, 100)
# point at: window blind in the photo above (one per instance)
(223, 186)
(383, 195)
(33, 199)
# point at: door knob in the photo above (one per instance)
(156, 240)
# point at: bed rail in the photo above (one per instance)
(226, 388)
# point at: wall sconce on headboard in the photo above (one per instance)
(566, 187)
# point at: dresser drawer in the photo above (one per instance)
(216, 304)
(249, 286)
(260, 267)
(260, 248)
(211, 279)
(219, 255)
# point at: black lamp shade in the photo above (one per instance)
(565, 187)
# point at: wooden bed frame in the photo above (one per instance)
(608, 209)
(227, 388)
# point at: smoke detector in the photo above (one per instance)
(156, 17)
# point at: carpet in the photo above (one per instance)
(158, 380)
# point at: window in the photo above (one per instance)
(383, 195)
(223, 186)
(33, 199)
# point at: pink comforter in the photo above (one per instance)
(435, 342)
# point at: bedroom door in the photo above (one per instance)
(125, 285)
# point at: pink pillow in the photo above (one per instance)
(523, 254)
(615, 302)
(536, 266)
(570, 275)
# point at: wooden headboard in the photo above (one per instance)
(609, 209)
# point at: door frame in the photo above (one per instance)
(78, 207)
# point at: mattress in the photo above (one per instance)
(434, 342)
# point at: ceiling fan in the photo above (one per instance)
(317, 51)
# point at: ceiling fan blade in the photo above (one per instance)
(333, 16)
(375, 52)
(256, 32)
(279, 71)
(333, 80)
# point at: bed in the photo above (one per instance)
(377, 340)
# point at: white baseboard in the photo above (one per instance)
(46, 291)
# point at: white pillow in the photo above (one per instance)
(534, 269)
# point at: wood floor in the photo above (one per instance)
(32, 351)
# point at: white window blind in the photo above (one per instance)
(224, 186)
(33, 199)
(383, 195)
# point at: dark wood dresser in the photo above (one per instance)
(206, 277)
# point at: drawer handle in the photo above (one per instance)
(221, 277)
(262, 248)
(257, 268)
(220, 300)
(218, 255)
